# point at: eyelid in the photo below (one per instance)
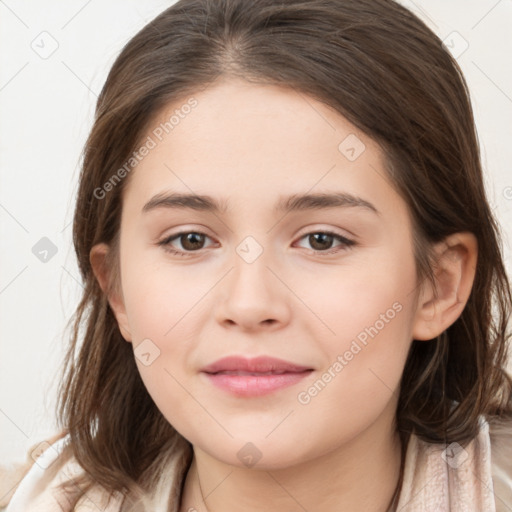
(319, 228)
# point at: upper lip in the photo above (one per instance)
(261, 364)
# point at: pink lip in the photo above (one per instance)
(254, 377)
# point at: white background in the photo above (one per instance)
(47, 107)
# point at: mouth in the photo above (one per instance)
(254, 377)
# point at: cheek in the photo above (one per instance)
(365, 359)
(360, 381)
(165, 307)
(159, 298)
(370, 295)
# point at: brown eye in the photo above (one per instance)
(192, 241)
(320, 241)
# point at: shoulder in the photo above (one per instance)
(39, 489)
(477, 476)
(500, 433)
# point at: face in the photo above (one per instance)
(302, 252)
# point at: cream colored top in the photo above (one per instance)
(437, 478)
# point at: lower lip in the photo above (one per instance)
(255, 385)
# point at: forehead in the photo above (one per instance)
(237, 140)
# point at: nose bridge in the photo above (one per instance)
(253, 294)
(250, 274)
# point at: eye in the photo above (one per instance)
(190, 241)
(322, 241)
(193, 241)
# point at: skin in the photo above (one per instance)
(250, 144)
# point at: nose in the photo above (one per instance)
(252, 297)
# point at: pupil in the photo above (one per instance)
(317, 239)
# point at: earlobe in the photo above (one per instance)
(454, 271)
(98, 258)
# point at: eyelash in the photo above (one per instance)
(346, 243)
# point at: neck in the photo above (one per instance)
(361, 475)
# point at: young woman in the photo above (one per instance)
(294, 295)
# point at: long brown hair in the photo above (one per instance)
(384, 70)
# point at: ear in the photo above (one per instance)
(104, 274)
(454, 273)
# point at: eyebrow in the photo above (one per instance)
(295, 202)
